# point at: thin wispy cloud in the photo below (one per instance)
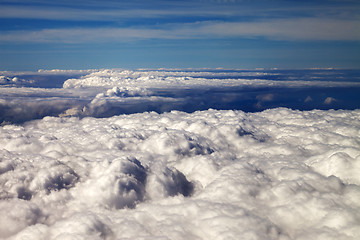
(67, 14)
(112, 11)
(294, 29)
(212, 22)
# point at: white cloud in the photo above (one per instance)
(108, 92)
(277, 174)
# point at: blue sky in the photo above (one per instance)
(82, 34)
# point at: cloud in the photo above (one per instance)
(276, 174)
(19, 111)
(183, 20)
(286, 29)
(103, 14)
(329, 100)
(81, 35)
(308, 99)
(110, 92)
(266, 97)
(114, 11)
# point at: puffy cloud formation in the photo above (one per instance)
(127, 91)
(11, 81)
(179, 78)
(276, 174)
(7, 80)
(109, 92)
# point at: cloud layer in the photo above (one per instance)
(293, 29)
(136, 34)
(185, 20)
(277, 174)
(109, 92)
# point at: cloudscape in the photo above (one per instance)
(179, 120)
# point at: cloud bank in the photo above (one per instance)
(277, 174)
(109, 92)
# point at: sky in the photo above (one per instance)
(84, 34)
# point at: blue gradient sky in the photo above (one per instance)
(81, 34)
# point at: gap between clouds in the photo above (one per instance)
(286, 29)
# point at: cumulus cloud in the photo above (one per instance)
(189, 175)
(108, 92)
(21, 111)
(276, 174)
(11, 81)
